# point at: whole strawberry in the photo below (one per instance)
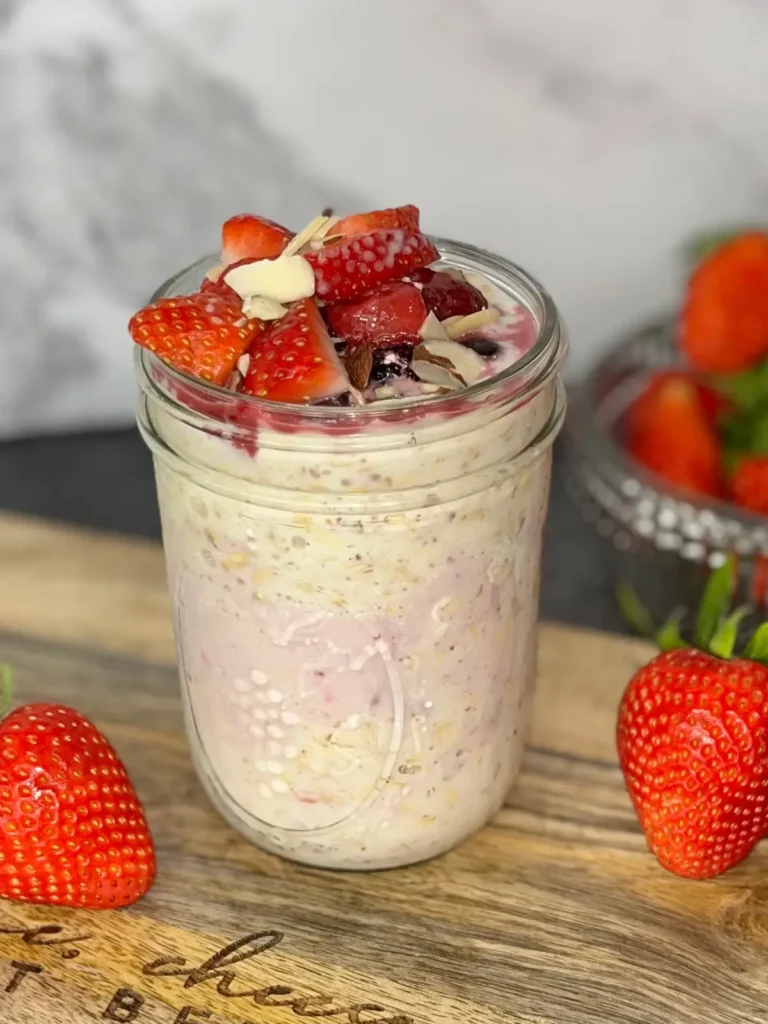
(72, 830)
(670, 430)
(749, 483)
(692, 740)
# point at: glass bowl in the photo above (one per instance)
(659, 539)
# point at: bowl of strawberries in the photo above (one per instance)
(668, 435)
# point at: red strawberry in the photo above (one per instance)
(220, 288)
(444, 295)
(349, 269)
(72, 830)
(668, 431)
(394, 309)
(713, 402)
(362, 223)
(249, 237)
(295, 360)
(692, 739)
(202, 334)
(724, 322)
(749, 483)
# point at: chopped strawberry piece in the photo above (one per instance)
(724, 323)
(202, 334)
(349, 269)
(295, 360)
(394, 309)
(406, 217)
(219, 287)
(668, 431)
(249, 237)
(445, 296)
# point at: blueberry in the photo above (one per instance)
(392, 361)
(483, 346)
(342, 401)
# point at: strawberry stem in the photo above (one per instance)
(633, 611)
(6, 690)
(669, 637)
(701, 246)
(723, 642)
(757, 648)
(715, 603)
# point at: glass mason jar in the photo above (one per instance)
(355, 595)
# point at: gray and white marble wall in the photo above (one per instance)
(585, 140)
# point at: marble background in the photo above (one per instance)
(585, 140)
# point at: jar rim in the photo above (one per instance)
(530, 371)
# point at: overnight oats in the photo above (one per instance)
(352, 431)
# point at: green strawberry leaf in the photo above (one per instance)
(744, 432)
(757, 648)
(723, 642)
(6, 690)
(669, 637)
(701, 246)
(715, 603)
(634, 612)
(746, 389)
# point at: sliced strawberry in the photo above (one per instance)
(249, 237)
(295, 360)
(202, 334)
(362, 223)
(349, 269)
(219, 287)
(396, 308)
(445, 295)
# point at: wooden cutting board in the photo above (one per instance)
(554, 914)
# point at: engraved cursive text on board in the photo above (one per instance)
(217, 970)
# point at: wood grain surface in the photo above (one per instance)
(554, 914)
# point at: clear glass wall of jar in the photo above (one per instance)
(355, 595)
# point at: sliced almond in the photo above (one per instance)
(320, 243)
(447, 363)
(358, 360)
(322, 232)
(243, 363)
(432, 329)
(284, 279)
(385, 392)
(434, 369)
(304, 236)
(257, 308)
(215, 272)
(449, 320)
(473, 322)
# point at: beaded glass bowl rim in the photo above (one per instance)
(631, 496)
